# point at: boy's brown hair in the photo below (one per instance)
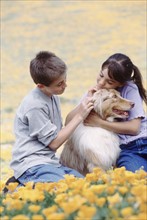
(46, 67)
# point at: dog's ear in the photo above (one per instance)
(96, 95)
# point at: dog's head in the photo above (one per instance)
(110, 105)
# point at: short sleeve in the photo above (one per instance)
(132, 94)
(40, 126)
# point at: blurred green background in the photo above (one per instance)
(82, 33)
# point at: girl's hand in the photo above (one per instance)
(92, 119)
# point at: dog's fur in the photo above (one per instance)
(90, 147)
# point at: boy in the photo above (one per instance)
(38, 125)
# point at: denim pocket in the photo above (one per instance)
(30, 174)
(33, 170)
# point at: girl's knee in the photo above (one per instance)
(132, 163)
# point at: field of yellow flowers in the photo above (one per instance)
(115, 195)
(83, 34)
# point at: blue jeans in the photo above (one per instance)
(46, 173)
(133, 155)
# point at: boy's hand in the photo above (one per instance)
(86, 106)
(91, 91)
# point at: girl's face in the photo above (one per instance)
(56, 88)
(105, 82)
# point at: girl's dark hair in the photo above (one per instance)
(46, 67)
(121, 69)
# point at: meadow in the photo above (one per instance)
(83, 34)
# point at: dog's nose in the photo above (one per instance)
(132, 104)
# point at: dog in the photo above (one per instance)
(90, 147)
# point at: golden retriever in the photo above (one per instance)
(90, 147)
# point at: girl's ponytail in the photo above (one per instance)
(137, 78)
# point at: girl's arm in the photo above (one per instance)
(131, 127)
(133, 124)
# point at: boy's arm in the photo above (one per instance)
(76, 110)
(71, 115)
(78, 116)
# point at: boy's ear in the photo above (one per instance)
(40, 86)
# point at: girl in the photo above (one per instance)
(118, 72)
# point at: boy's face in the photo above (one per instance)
(56, 88)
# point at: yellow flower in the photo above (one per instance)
(120, 170)
(98, 172)
(49, 187)
(114, 199)
(40, 186)
(29, 185)
(15, 195)
(136, 190)
(32, 195)
(73, 204)
(114, 213)
(143, 207)
(123, 190)
(106, 178)
(12, 186)
(133, 217)
(49, 210)
(100, 201)
(62, 187)
(86, 212)
(34, 208)
(127, 211)
(7, 200)
(2, 185)
(37, 217)
(22, 217)
(141, 174)
(130, 176)
(5, 217)
(98, 188)
(89, 195)
(61, 197)
(69, 179)
(118, 173)
(1, 209)
(56, 216)
(142, 216)
(131, 199)
(90, 177)
(111, 189)
(15, 204)
(78, 185)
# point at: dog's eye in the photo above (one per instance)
(106, 98)
(114, 96)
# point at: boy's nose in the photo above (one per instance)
(65, 85)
